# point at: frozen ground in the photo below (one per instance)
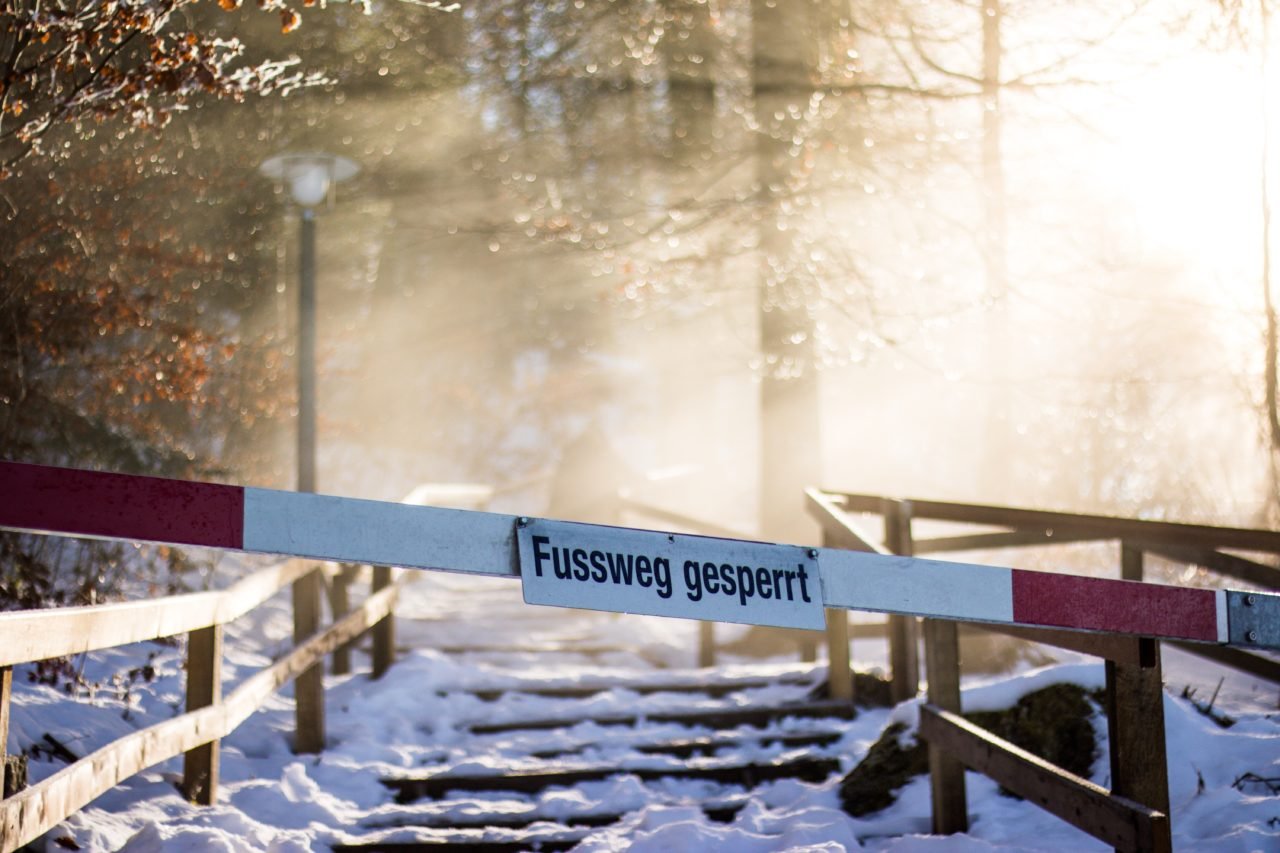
(273, 800)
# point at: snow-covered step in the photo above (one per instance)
(519, 815)
(487, 840)
(714, 718)
(711, 689)
(746, 774)
(709, 745)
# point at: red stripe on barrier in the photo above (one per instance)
(91, 503)
(1127, 607)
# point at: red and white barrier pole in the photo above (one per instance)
(43, 499)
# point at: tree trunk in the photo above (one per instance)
(787, 44)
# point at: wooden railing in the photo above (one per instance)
(28, 636)
(1134, 814)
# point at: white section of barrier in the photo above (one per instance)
(922, 587)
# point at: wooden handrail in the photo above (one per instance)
(1267, 577)
(1113, 819)
(838, 529)
(37, 809)
(697, 525)
(33, 635)
(1096, 526)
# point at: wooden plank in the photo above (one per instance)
(946, 774)
(1136, 734)
(726, 718)
(715, 689)
(480, 841)
(1002, 539)
(904, 650)
(204, 688)
(1096, 526)
(1105, 646)
(384, 633)
(255, 690)
(749, 775)
(42, 806)
(718, 810)
(700, 746)
(6, 690)
(308, 690)
(838, 530)
(694, 525)
(1113, 819)
(1250, 662)
(32, 635)
(1258, 574)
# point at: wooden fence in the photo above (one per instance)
(1134, 814)
(28, 636)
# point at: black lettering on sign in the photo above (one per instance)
(539, 555)
(746, 583)
(762, 583)
(692, 580)
(662, 574)
(703, 579)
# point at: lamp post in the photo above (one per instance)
(310, 178)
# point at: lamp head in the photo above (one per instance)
(309, 176)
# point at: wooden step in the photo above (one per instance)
(715, 689)
(476, 843)
(748, 775)
(689, 747)
(720, 811)
(717, 718)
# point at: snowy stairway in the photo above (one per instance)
(701, 742)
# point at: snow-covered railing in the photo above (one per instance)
(1134, 813)
(28, 636)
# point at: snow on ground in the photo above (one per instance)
(274, 800)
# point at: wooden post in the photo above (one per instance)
(839, 672)
(904, 654)
(1135, 723)
(839, 666)
(1135, 716)
(384, 633)
(340, 604)
(308, 689)
(1131, 568)
(6, 687)
(204, 688)
(706, 644)
(946, 774)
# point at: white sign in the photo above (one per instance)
(669, 574)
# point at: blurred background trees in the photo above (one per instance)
(953, 249)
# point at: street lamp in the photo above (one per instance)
(311, 178)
